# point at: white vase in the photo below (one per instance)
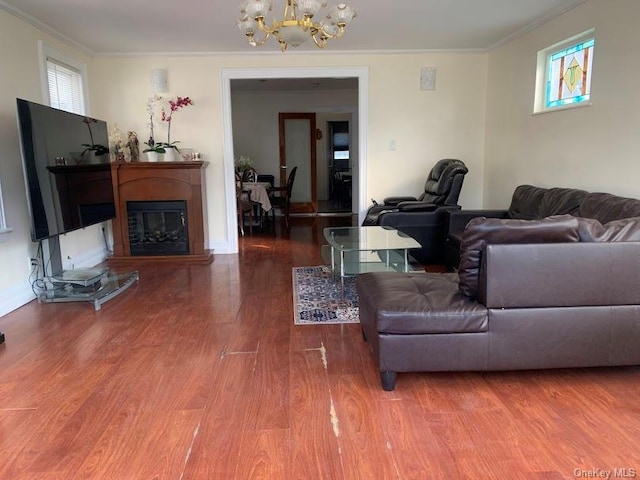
(152, 156)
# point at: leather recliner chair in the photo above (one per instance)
(424, 218)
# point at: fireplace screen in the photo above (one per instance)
(158, 227)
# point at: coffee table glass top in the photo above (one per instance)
(356, 250)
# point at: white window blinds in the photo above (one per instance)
(65, 87)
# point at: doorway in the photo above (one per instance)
(297, 140)
(360, 125)
(339, 167)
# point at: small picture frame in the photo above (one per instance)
(186, 154)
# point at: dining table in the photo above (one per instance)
(259, 192)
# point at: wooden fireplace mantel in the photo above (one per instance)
(151, 181)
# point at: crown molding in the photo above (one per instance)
(538, 23)
(263, 53)
(34, 22)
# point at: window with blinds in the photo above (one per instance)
(65, 87)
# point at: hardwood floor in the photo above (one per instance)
(198, 372)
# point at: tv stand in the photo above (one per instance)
(96, 285)
(84, 286)
(82, 276)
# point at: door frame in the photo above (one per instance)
(309, 207)
(228, 74)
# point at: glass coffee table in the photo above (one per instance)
(355, 250)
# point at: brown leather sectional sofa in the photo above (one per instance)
(550, 292)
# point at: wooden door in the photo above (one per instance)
(298, 149)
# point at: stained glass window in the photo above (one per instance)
(569, 74)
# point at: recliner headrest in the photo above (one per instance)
(441, 176)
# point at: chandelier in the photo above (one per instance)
(297, 24)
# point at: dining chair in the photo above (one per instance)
(244, 205)
(280, 197)
(270, 179)
(250, 175)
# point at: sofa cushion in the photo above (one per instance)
(623, 230)
(560, 201)
(605, 207)
(420, 303)
(482, 231)
(525, 202)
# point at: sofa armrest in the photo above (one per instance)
(428, 228)
(458, 219)
(394, 216)
(417, 207)
(560, 275)
(393, 201)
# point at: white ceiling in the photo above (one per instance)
(103, 27)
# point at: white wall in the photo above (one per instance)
(595, 148)
(20, 78)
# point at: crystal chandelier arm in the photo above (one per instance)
(330, 29)
(248, 26)
(267, 30)
(320, 42)
(257, 43)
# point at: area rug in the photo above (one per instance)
(317, 297)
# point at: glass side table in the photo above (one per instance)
(354, 250)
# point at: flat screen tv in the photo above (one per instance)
(67, 169)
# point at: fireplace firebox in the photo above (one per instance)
(158, 227)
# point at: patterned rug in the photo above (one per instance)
(317, 298)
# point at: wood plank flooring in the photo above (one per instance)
(198, 372)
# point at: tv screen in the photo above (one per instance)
(67, 169)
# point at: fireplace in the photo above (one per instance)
(159, 213)
(158, 227)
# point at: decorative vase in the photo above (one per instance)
(152, 156)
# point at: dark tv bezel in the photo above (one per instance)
(29, 164)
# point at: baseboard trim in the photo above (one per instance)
(15, 297)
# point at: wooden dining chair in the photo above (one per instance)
(280, 197)
(245, 205)
(250, 175)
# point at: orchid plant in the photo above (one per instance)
(151, 110)
(174, 106)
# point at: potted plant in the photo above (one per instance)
(153, 148)
(171, 148)
(243, 164)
